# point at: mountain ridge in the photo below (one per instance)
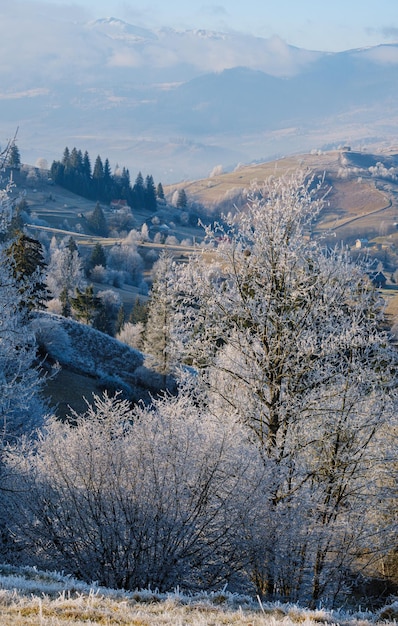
(138, 95)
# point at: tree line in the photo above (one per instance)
(75, 172)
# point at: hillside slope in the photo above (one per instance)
(89, 362)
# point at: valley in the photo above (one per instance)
(361, 208)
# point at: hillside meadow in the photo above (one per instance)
(29, 597)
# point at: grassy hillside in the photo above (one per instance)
(355, 201)
(89, 362)
(361, 200)
(30, 597)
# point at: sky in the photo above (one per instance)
(327, 25)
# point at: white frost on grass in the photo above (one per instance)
(53, 598)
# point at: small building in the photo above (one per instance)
(361, 243)
(378, 279)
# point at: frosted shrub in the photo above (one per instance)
(54, 306)
(99, 274)
(132, 335)
(158, 496)
(52, 337)
(125, 258)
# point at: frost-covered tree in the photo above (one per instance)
(14, 157)
(286, 338)
(27, 262)
(158, 496)
(126, 258)
(21, 408)
(65, 272)
(158, 329)
(132, 335)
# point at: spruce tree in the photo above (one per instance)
(150, 194)
(27, 263)
(14, 158)
(139, 312)
(139, 192)
(182, 199)
(72, 245)
(75, 160)
(86, 305)
(97, 221)
(97, 256)
(98, 179)
(160, 191)
(66, 157)
(86, 166)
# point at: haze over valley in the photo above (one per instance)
(180, 103)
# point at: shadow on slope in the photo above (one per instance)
(90, 362)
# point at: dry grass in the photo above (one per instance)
(93, 609)
(31, 597)
(353, 207)
(212, 189)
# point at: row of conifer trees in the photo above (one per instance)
(98, 183)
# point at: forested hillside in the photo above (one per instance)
(245, 437)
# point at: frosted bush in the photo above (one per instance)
(52, 337)
(99, 274)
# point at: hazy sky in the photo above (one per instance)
(314, 24)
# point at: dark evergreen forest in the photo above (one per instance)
(75, 173)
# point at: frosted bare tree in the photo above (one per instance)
(286, 336)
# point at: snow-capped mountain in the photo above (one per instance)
(178, 103)
(121, 31)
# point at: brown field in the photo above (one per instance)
(354, 207)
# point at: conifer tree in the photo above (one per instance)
(98, 178)
(160, 191)
(182, 199)
(75, 160)
(87, 165)
(21, 408)
(139, 192)
(97, 221)
(86, 305)
(139, 311)
(14, 157)
(97, 256)
(66, 157)
(27, 263)
(150, 194)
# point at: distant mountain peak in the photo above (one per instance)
(115, 28)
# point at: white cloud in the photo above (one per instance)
(384, 55)
(29, 93)
(56, 42)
